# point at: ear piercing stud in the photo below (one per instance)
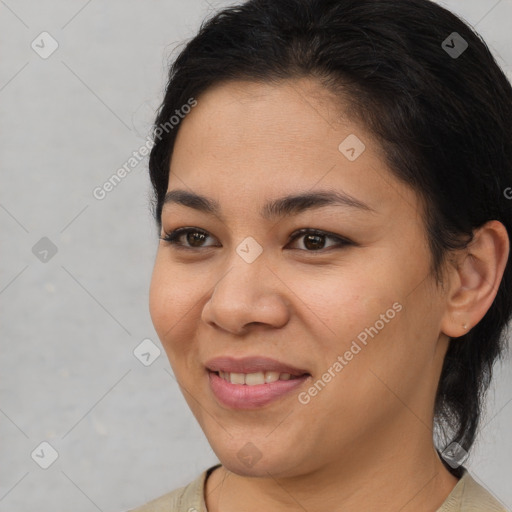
(464, 326)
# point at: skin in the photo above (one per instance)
(365, 441)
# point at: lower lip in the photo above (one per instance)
(242, 396)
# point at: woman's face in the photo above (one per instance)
(361, 317)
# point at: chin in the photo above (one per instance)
(261, 469)
(249, 461)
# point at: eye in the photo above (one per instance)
(193, 236)
(314, 239)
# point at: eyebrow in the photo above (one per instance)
(280, 207)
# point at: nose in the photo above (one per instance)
(249, 293)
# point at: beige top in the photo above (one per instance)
(466, 496)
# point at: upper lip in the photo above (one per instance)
(251, 365)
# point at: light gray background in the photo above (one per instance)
(123, 431)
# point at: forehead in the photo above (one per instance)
(290, 109)
(246, 140)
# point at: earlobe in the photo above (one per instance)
(476, 279)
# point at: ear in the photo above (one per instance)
(475, 279)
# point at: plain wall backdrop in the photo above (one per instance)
(75, 270)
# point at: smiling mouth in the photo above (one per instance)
(250, 391)
(256, 378)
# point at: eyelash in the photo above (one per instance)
(173, 237)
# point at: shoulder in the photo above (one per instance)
(168, 502)
(189, 498)
(469, 496)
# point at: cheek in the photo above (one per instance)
(340, 303)
(360, 317)
(171, 302)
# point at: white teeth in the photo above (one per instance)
(237, 378)
(271, 376)
(254, 379)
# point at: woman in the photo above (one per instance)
(333, 278)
